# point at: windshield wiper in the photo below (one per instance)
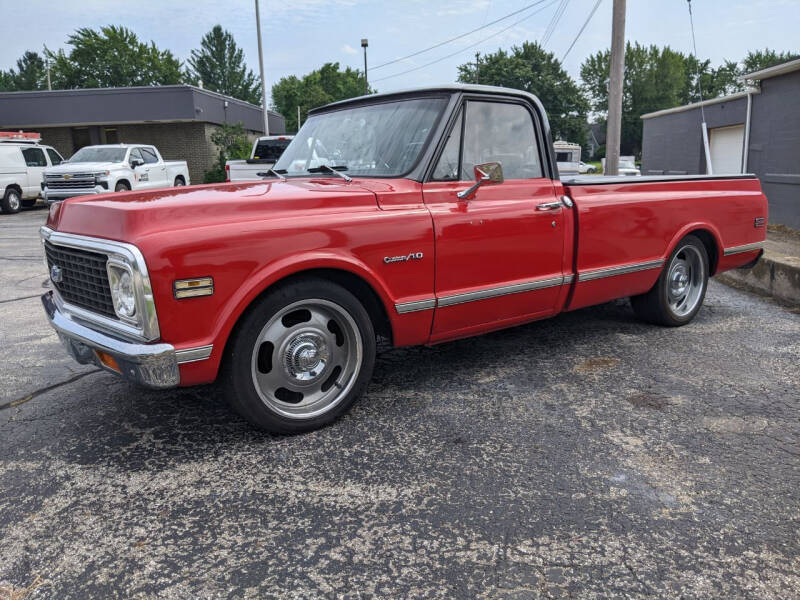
(279, 173)
(329, 169)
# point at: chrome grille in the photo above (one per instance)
(74, 181)
(84, 279)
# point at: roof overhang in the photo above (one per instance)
(696, 105)
(781, 69)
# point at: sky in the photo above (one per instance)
(301, 35)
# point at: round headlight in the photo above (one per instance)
(123, 293)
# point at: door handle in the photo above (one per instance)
(549, 206)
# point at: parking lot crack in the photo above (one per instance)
(46, 389)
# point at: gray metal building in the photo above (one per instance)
(756, 131)
(177, 119)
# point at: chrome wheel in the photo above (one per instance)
(306, 358)
(685, 280)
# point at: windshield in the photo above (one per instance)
(383, 140)
(98, 154)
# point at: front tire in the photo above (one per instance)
(122, 187)
(300, 357)
(678, 294)
(11, 201)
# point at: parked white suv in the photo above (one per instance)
(112, 168)
(22, 164)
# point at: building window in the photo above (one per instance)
(80, 138)
(112, 137)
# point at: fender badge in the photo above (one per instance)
(394, 259)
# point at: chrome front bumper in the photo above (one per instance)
(151, 365)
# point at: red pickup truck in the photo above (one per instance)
(420, 217)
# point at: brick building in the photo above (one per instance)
(177, 119)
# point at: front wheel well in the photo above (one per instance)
(712, 249)
(125, 181)
(14, 187)
(349, 281)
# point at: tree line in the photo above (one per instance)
(655, 77)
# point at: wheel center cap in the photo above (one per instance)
(306, 357)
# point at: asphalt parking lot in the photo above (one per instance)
(589, 456)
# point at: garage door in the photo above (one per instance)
(726, 149)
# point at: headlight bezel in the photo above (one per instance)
(117, 270)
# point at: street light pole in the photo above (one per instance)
(614, 125)
(261, 68)
(364, 44)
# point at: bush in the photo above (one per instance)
(233, 144)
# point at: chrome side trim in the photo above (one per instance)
(568, 279)
(407, 307)
(744, 248)
(188, 355)
(147, 329)
(516, 288)
(622, 270)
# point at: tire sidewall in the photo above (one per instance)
(663, 283)
(241, 389)
(121, 187)
(7, 204)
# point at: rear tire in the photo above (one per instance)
(300, 357)
(122, 187)
(178, 182)
(11, 201)
(678, 294)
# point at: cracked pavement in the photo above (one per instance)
(588, 456)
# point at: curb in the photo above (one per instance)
(775, 276)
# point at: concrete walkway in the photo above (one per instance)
(777, 274)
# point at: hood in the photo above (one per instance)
(82, 167)
(127, 216)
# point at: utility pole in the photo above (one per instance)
(298, 117)
(614, 124)
(261, 68)
(47, 64)
(477, 67)
(364, 44)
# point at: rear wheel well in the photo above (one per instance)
(711, 248)
(354, 284)
(181, 178)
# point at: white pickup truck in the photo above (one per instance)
(22, 162)
(266, 152)
(117, 168)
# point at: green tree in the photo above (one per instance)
(233, 143)
(30, 74)
(327, 84)
(219, 64)
(654, 78)
(112, 57)
(763, 59)
(531, 68)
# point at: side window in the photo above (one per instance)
(34, 157)
(500, 132)
(55, 157)
(136, 154)
(149, 156)
(447, 167)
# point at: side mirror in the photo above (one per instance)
(485, 174)
(136, 162)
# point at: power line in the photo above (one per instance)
(589, 18)
(554, 23)
(458, 37)
(433, 62)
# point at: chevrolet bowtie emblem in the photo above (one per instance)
(56, 274)
(67, 176)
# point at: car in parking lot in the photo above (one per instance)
(112, 168)
(421, 217)
(23, 161)
(266, 152)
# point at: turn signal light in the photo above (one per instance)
(191, 288)
(108, 360)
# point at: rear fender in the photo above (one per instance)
(695, 226)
